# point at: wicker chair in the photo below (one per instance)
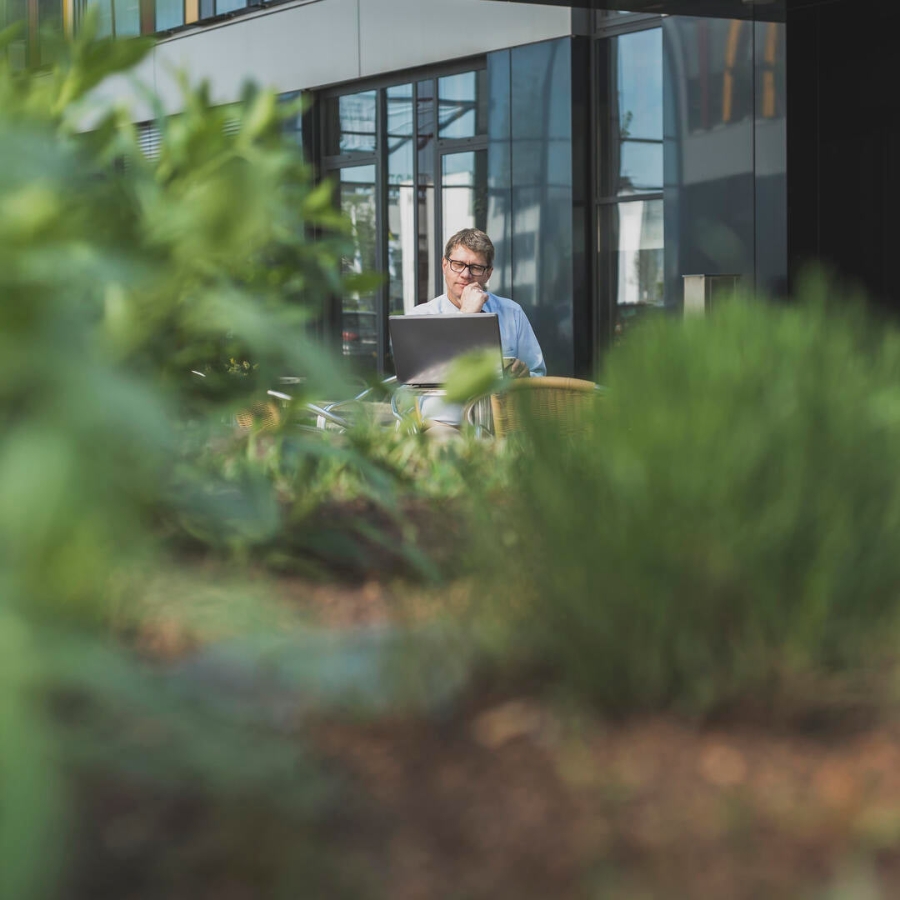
(564, 402)
(263, 415)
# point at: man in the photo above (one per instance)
(467, 265)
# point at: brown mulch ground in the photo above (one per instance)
(508, 803)
(513, 797)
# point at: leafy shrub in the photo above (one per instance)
(729, 525)
(118, 276)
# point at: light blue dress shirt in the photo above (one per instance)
(516, 337)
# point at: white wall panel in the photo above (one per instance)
(286, 49)
(398, 34)
(321, 42)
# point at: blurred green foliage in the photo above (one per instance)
(726, 529)
(118, 276)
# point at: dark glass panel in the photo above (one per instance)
(128, 17)
(119, 18)
(16, 52)
(462, 105)
(710, 178)
(632, 243)
(719, 71)
(499, 172)
(169, 14)
(359, 312)
(541, 195)
(401, 199)
(293, 126)
(225, 6)
(636, 136)
(770, 159)
(350, 124)
(105, 19)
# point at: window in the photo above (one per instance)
(211, 8)
(410, 162)
(118, 18)
(169, 14)
(35, 45)
(630, 179)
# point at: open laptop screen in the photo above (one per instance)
(424, 347)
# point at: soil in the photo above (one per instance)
(515, 796)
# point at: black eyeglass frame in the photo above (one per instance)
(470, 266)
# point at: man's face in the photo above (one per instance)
(457, 281)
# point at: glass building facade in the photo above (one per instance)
(605, 166)
(410, 161)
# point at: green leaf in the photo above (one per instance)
(473, 375)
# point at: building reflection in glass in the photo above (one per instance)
(359, 322)
(631, 260)
(725, 195)
(401, 198)
(462, 104)
(531, 193)
(411, 167)
(463, 191)
(425, 139)
(350, 125)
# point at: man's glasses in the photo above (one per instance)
(458, 266)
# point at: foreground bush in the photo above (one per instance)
(115, 281)
(729, 526)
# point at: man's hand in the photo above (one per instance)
(517, 369)
(473, 298)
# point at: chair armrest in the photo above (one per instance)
(325, 416)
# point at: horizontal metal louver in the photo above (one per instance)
(232, 124)
(149, 139)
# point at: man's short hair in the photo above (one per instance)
(474, 240)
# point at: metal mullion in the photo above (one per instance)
(604, 325)
(415, 173)
(460, 145)
(438, 246)
(381, 302)
(147, 14)
(408, 76)
(347, 160)
(32, 34)
(596, 309)
(630, 198)
(617, 27)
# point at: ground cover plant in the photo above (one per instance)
(726, 531)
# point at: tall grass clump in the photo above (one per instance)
(727, 529)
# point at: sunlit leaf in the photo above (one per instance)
(473, 375)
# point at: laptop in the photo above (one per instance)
(425, 347)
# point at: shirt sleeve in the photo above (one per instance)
(529, 350)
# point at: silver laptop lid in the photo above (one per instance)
(424, 347)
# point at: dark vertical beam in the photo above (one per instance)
(583, 217)
(33, 34)
(500, 168)
(381, 218)
(148, 16)
(803, 139)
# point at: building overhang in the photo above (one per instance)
(760, 10)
